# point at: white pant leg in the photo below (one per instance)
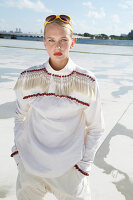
(28, 186)
(73, 185)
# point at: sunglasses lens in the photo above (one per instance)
(50, 18)
(65, 18)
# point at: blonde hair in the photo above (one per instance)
(60, 23)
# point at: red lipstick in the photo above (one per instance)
(57, 54)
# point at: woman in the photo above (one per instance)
(58, 121)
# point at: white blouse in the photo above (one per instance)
(58, 119)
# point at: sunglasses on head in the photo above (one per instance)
(64, 18)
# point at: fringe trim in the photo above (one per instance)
(64, 85)
(53, 94)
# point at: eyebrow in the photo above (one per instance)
(49, 37)
(54, 37)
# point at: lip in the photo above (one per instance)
(57, 54)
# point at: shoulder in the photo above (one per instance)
(33, 69)
(28, 75)
(85, 73)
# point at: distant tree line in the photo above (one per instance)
(129, 36)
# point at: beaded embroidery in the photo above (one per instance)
(60, 96)
(80, 170)
(14, 153)
(64, 85)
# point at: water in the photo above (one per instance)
(83, 41)
(106, 42)
(89, 41)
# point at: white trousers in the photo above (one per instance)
(73, 185)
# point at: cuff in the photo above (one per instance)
(85, 166)
(16, 157)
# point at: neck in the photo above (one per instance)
(58, 65)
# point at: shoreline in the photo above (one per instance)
(102, 41)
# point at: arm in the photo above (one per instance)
(21, 110)
(94, 130)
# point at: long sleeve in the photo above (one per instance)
(21, 110)
(54, 110)
(93, 131)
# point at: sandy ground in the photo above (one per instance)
(112, 173)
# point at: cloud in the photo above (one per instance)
(116, 19)
(80, 25)
(37, 6)
(130, 26)
(3, 24)
(89, 4)
(96, 15)
(40, 20)
(2, 21)
(126, 4)
(123, 6)
(93, 12)
(129, 2)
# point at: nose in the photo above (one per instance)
(58, 45)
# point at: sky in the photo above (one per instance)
(93, 16)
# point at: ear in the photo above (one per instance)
(72, 44)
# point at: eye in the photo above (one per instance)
(51, 40)
(64, 40)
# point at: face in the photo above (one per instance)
(58, 42)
